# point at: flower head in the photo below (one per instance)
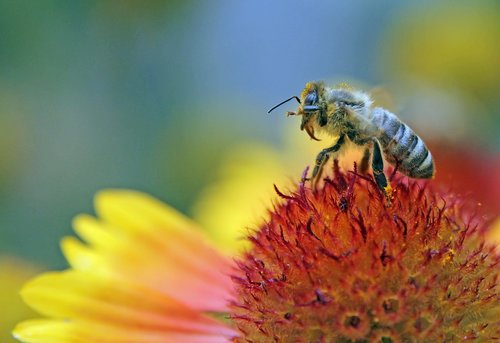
(333, 265)
(340, 265)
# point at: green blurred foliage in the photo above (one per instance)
(13, 274)
(14, 132)
(193, 148)
(449, 52)
(450, 46)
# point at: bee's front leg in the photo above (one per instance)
(378, 171)
(322, 158)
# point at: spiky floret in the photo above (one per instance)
(339, 265)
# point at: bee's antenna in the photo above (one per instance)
(287, 100)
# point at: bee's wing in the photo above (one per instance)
(382, 97)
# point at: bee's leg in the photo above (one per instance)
(368, 144)
(365, 161)
(318, 168)
(378, 171)
(322, 158)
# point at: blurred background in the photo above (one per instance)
(170, 97)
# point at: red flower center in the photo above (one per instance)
(339, 264)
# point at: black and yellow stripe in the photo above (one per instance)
(401, 145)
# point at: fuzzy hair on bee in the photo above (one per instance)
(348, 115)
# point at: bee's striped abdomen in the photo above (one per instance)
(400, 143)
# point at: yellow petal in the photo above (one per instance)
(239, 200)
(143, 273)
(144, 242)
(138, 213)
(85, 297)
(59, 331)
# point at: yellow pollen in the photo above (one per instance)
(344, 85)
(310, 87)
(389, 191)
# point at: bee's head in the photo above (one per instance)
(310, 98)
(309, 106)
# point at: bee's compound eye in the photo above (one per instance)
(311, 99)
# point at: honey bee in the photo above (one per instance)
(348, 115)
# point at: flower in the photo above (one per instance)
(331, 265)
(145, 274)
(342, 265)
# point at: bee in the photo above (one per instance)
(348, 115)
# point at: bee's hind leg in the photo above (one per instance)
(378, 171)
(322, 158)
(365, 161)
